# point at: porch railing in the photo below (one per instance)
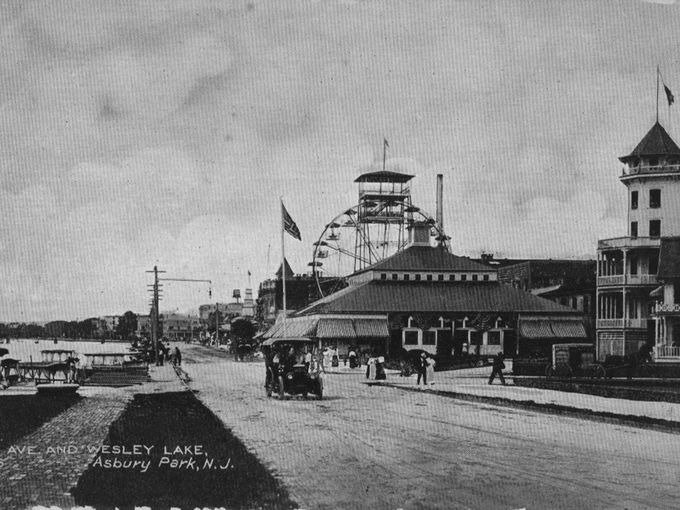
(665, 351)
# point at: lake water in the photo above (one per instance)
(27, 349)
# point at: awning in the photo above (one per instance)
(568, 328)
(552, 328)
(536, 328)
(371, 328)
(335, 328)
(658, 292)
(293, 327)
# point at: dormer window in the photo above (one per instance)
(407, 276)
(474, 277)
(417, 277)
(452, 277)
(463, 277)
(429, 277)
(440, 277)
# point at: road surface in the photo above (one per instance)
(378, 447)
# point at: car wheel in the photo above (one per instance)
(281, 388)
(480, 363)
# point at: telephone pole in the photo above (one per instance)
(155, 298)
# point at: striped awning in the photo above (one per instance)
(568, 328)
(293, 327)
(376, 328)
(335, 328)
(551, 328)
(536, 328)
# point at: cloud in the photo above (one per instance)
(136, 134)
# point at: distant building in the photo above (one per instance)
(180, 327)
(628, 266)
(248, 309)
(568, 282)
(301, 290)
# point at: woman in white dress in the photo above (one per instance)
(430, 369)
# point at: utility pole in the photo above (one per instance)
(155, 298)
(217, 323)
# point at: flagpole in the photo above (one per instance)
(283, 261)
(657, 93)
(384, 152)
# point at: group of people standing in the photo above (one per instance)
(425, 368)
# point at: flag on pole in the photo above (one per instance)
(249, 273)
(669, 95)
(289, 225)
(385, 142)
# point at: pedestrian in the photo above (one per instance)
(498, 367)
(430, 369)
(352, 358)
(371, 369)
(177, 357)
(308, 360)
(422, 368)
(380, 369)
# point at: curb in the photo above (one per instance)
(579, 412)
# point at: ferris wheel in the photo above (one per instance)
(377, 227)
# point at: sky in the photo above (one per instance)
(135, 133)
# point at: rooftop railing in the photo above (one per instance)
(657, 169)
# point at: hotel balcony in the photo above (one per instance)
(620, 243)
(632, 171)
(622, 323)
(618, 280)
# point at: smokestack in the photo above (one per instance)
(440, 201)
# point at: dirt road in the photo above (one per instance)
(378, 447)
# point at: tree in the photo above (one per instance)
(242, 330)
(211, 320)
(127, 325)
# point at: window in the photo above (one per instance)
(417, 277)
(654, 198)
(440, 277)
(463, 277)
(383, 276)
(407, 276)
(452, 277)
(633, 265)
(410, 337)
(429, 337)
(654, 263)
(395, 276)
(654, 228)
(633, 199)
(474, 277)
(633, 229)
(493, 338)
(486, 277)
(429, 277)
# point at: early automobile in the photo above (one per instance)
(286, 369)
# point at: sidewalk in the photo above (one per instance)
(472, 384)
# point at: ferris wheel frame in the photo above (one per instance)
(412, 215)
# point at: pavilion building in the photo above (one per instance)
(426, 298)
